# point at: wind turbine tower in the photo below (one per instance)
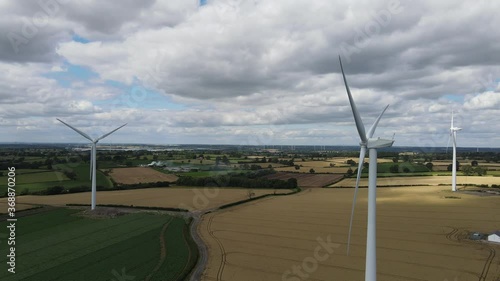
(453, 134)
(92, 156)
(372, 144)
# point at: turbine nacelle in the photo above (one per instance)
(379, 143)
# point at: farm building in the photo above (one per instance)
(494, 237)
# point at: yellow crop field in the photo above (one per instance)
(178, 197)
(424, 180)
(421, 235)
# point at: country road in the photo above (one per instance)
(203, 252)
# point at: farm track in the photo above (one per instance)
(163, 250)
(461, 237)
(487, 265)
(220, 271)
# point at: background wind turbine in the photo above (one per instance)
(367, 142)
(92, 156)
(453, 134)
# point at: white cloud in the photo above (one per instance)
(486, 100)
(236, 69)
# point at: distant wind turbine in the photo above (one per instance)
(92, 156)
(453, 134)
(367, 142)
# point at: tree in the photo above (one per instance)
(225, 160)
(250, 194)
(312, 171)
(480, 171)
(429, 166)
(70, 174)
(349, 172)
(473, 163)
(467, 170)
(394, 169)
(297, 167)
(450, 167)
(332, 165)
(351, 162)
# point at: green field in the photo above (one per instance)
(37, 177)
(58, 245)
(34, 180)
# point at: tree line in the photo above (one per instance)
(237, 181)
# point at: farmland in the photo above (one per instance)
(61, 245)
(424, 180)
(178, 197)
(421, 236)
(139, 175)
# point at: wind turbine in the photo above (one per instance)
(453, 133)
(92, 155)
(370, 143)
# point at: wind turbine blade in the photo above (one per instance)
(76, 130)
(448, 144)
(374, 126)
(105, 135)
(91, 156)
(362, 153)
(451, 119)
(355, 112)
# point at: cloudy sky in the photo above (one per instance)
(249, 71)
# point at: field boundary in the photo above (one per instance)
(257, 198)
(172, 209)
(193, 253)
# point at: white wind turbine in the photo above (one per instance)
(92, 156)
(453, 134)
(367, 142)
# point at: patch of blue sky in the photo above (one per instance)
(455, 98)
(203, 2)
(78, 38)
(73, 73)
(138, 97)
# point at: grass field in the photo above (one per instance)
(36, 180)
(27, 178)
(59, 245)
(174, 197)
(420, 236)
